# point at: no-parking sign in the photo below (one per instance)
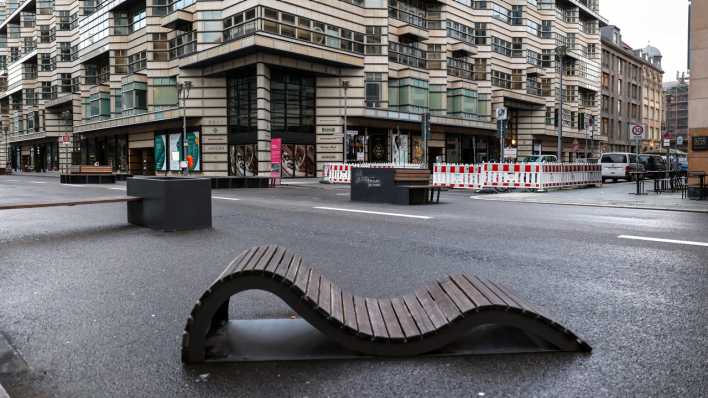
(637, 131)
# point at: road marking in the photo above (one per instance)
(678, 242)
(224, 198)
(74, 185)
(380, 213)
(342, 194)
(38, 182)
(12, 180)
(118, 188)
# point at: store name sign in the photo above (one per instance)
(699, 143)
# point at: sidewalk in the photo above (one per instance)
(618, 195)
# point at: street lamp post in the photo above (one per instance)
(560, 56)
(183, 94)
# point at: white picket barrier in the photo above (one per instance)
(538, 176)
(341, 173)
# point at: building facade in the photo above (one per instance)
(631, 93)
(676, 105)
(285, 87)
(698, 95)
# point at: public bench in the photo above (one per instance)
(433, 319)
(89, 174)
(390, 185)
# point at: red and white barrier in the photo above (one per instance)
(539, 176)
(341, 173)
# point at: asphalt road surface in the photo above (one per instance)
(96, 307)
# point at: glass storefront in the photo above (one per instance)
(292, 112)
(111, 150)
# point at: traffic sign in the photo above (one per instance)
(637, 131)
(667, 135)
(502, 113)
(667, 142)
(679, 140)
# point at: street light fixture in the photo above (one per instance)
(561, 52)
(183, 94)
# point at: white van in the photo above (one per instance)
(618, 166)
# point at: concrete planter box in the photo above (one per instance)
(170, 203)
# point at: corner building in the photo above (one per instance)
(87, 82)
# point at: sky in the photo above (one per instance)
(653, 22)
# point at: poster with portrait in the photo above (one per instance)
(304, 161)
(417, 150)
(160, 152)
(194, 152)
(175, 151)
(288, 160)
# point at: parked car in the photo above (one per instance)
(654, 164)
(539, 159)
(619, 166)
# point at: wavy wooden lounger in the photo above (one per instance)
(424, 322)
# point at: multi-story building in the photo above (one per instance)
(313, 81)
(698, 97)
(631, 92)
(676, 105)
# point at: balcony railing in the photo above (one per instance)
(465, 70)
(407, 16)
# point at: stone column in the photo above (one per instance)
(263, 106)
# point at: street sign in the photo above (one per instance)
(502, 113)
(667, 142)
(352, 132)
(65, 139)
(679, 140)
(667, 135)
(637, 131)
(510, 153)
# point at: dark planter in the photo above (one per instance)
(170, 203)
(373, 185)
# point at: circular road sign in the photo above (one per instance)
(637, 130)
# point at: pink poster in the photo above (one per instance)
(275, 156)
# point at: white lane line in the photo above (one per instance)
(12, 180)
(74, 185)
(38, 182)
(342, 194)
(118, 188)
(224, 198)
(380, 213)
(678, 242)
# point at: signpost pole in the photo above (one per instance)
(501, 125)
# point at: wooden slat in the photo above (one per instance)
(458, 297)
(447, 306)
(73, 202)
(490, 295)
(422, 320)
(405, 318)
(325, 298)
(303, 275)
(284, 265)
(431, 308)
(275, 261)
(313, 286)
(390, 319)
(523, 303)
(349, 312)
(376, 318)
(362, 316)
(510, 301)
(475, 295)
(233, 264)
(336, 301)
(263, 261)
(294, 269)
(254, 256)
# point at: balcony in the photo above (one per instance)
(465, 70)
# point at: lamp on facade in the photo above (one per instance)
(561, 53)
(183, 93)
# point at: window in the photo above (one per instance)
(242, 104)
(517, 47)
(134, 97)
(501, 46)
(137, 61)
(183, 45)
(373, 40)
(65, 52)
(374, 87)
(120, 62)
(46, 63)
(46, 90)
(292, 105)
(97, 105)
(462, 103)
(408, 95)
(160, 47)
(501, 79)
(164, 91)
(127, 22)
(480, 34)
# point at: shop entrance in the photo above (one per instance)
(141, 161)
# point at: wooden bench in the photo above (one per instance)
(73, 202)
(417, 183)
(423, 321)
(90, 169)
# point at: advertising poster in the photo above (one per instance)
(175, 151)
(160, 153)
(417, 150)
(288, 160)
(304, 161)
(243, 160)
(276, 148)
(194, 151)
(399, 149)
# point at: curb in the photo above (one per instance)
(3, 393)
(678, 210)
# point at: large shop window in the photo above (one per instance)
(408, 95)
(292, 102)
(169, 153)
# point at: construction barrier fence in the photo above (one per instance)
(341, 173)
(537, 176)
